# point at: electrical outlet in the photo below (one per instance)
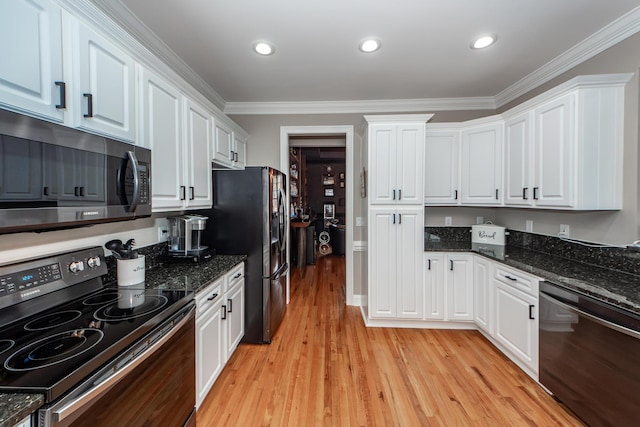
(479, 220)
(163, 233)
(529, 225)
(447, 220)
(564, 230)
(359, 221)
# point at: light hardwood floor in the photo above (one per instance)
(325, 368)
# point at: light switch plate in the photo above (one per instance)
(479, 220)
(564, 230)
(529, 225)
(447, 220)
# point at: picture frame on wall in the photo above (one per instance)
(328, 180)
(329, 210)
(341, 184)
(341, 175)
(328, 192)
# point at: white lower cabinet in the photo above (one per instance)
(483, 294)
(448, 286)
(219, 327)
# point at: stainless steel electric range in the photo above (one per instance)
(96, 352)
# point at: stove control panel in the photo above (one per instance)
(30, 279)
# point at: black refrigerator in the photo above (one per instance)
(249, 217)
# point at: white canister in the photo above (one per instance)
(130, 271)
(488, 233)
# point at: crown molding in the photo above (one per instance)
(360, 107)
(130, 29)
(608, 36)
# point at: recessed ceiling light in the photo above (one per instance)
(484, 41)
(369, 45)
(263, 48)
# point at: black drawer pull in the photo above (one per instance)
(212, 297)
(89, 104)
(531, 306)
(230, 305)
(63, 95)
(510, 278)
(237, 275)
(451, 264)
(428, 264)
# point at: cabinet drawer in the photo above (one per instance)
(235, 276)
(517, 279)
(209, 296)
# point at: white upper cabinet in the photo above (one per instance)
(482, 163)
(396, 154)
(229, 149)
(104, 85)
(197, 169)
(442, 167)
(31, 79)
(518, 154)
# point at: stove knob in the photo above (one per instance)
(93, 262)
(76, 266)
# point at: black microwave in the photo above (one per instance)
(53, 177)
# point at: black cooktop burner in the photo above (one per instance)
(101, 299)
(53, 349)
(130, 308)
(6, 345)
(52, 320)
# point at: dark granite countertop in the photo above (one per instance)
(614, 287)
(191, 277)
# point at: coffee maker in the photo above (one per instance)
(185, 235)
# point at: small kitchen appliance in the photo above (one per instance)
(185, 238)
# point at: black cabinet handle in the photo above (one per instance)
(531, 306)
(183, 192)
(235, 156)
(230, 305)
(456, 195)
(62, 86)
(212, 297)
(237, 275)
(224, 312)
(76, 191)
(89, 104)
(400, 194)
(394, 219)
(45, 191)
(192, 193)
(394, 194)
(524, 193)
(451, 264)
(510, 278)
(428, 264)
(81, 191)
(399, 218)
(535, 193)
(497, 198)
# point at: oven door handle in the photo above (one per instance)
(87, 397)
(590, 316)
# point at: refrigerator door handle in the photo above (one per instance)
(282, 270)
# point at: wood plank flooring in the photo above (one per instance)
(325, 368)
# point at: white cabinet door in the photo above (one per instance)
(459, 287)
(382, 263)
(441, 168)
(409, 252)
(209, 350)
(518, 150)
(554, 153)
(31, 54)
(197, 139)
(482, 165)
(410, 158)
(240, 150)
(223, 144)
(483, 294)
(382, 176)
(434, 286)
(235, 318)
(162, 123)
(516, 325)
(105, 83)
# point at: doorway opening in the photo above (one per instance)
(313, 141)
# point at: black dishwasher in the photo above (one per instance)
(590, 356)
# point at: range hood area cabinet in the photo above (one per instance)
(561, 150)
(88, 83)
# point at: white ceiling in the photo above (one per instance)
(425, 44)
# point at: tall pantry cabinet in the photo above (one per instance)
(395, 188)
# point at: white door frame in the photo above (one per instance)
(285, 133)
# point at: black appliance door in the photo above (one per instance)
(277, 301)
(589, 356)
